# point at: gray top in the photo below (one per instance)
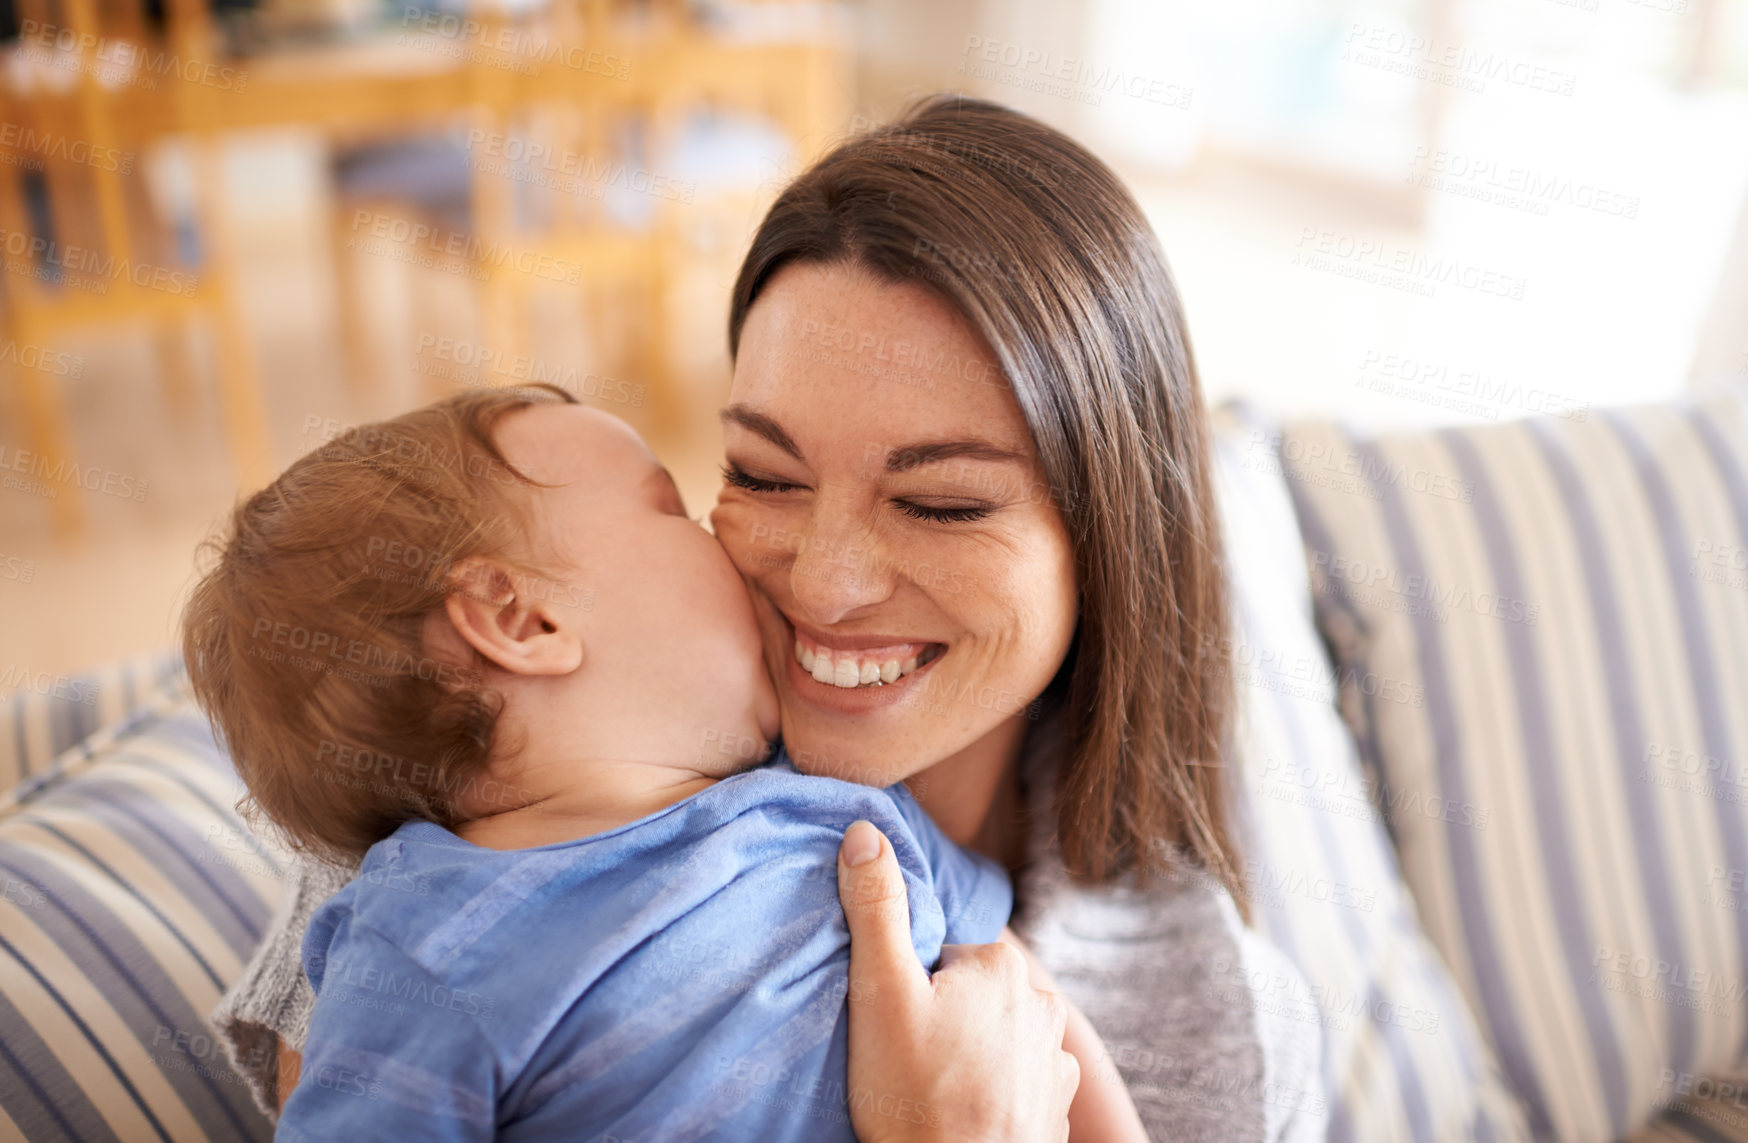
(1153, 969)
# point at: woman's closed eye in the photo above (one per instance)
(738, 477)
(958, 515)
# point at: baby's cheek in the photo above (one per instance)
(731, 524)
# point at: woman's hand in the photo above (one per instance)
(973, 1054)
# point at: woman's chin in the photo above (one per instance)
(831, 752)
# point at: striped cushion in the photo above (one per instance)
(45, 715)
(1709, 1114)
(129, 898)
(1542, 633)
(1402, 1058)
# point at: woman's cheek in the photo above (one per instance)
(762, 539)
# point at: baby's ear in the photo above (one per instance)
(521, 631)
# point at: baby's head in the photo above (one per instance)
(416, 602)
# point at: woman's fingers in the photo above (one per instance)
(1068, 1083)
(1056, 1012)
(1068, 1075)
(871, 887)
(951, 953)
(973, 1053)
(1000, 963)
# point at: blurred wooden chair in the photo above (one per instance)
(415, 175)
(415, 180)
(648, 67)
(101, 254)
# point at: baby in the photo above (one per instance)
(483, 646)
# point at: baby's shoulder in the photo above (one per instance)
(800, 821)
(777, 796)
(407, 886)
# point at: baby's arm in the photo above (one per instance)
(390, 1056)
(1102, 1111)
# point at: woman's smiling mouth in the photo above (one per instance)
(850, 663)
(864, 668)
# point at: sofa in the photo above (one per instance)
(1489, 768)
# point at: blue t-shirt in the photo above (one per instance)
(681, 977)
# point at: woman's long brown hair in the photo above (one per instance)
(1038, 244)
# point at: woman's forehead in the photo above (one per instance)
(808, 307)
(838, 351)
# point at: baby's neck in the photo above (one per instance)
(554, 801)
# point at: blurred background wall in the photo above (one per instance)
(231, 229)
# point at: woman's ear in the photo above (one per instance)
(495, 615)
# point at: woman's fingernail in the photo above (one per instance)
(861, 844)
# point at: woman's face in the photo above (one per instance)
(911, 575)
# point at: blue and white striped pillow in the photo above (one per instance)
(131, 895)
(1568, 601)
(43, 715)
(1402, 1058)
(1711, 1113)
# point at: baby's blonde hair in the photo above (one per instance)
(304, 639)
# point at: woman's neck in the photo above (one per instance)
(974, 796)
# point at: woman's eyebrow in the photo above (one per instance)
(902, 459)
(756, 422)
(916, 455)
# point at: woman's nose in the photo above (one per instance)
(837, 568)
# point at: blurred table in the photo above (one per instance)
(399, 79)
(117, 96)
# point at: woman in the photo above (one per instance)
(965, 429)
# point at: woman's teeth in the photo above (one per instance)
(848, 671)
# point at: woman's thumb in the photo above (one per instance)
(871, 887)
